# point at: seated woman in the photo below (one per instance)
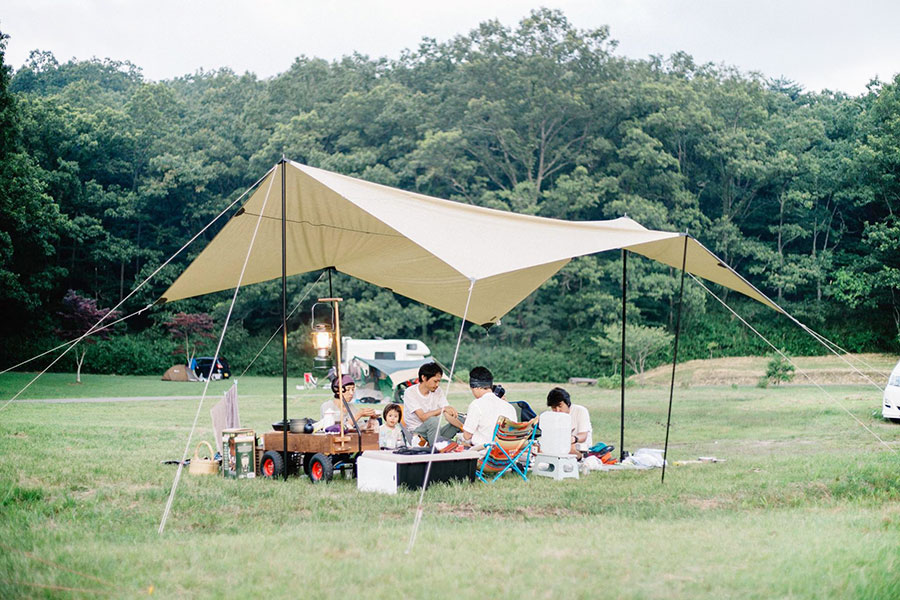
(348, 388)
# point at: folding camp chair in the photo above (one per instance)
(524, 412)
(511, 442)
(309, 381)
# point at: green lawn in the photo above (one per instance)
(807, 504)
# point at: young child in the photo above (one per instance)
(390, 435)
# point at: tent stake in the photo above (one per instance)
(284, 318)
(674, 359)
(622, 408)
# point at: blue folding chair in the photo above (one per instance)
(511, 442)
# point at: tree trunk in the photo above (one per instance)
(79, 360)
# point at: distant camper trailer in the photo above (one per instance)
(383, 369)
(383, 349)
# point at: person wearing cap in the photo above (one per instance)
(425, 404)
(484, 410)
(348, 388)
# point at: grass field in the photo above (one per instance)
(807, 504)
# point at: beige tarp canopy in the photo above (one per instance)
(425, 248)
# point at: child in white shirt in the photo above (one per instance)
(390, 435)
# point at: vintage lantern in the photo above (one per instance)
(322, 334)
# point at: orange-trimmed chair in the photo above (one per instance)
(511, 442)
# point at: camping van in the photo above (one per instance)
(383, 349)
(891, 408)
(383, 368)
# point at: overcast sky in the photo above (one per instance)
(832, 44)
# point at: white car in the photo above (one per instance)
(891, 408)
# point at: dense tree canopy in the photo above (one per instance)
(103, 175)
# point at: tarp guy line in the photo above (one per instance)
(799, 370)
(419, 509)
(162, 523)
(93, 329)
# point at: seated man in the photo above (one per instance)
(485, 409)
(347, 390)
(582, 432)
(424, 402)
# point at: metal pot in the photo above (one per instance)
(298, 425)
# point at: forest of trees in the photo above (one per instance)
(104, 175)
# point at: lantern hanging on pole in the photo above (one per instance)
(322, 334)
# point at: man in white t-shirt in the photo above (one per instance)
(485, 409)
(425, 402)
(582, 431)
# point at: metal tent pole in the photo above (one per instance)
(284, 319)
(622, 408)
(674, 360)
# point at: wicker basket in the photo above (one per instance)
(203, 466)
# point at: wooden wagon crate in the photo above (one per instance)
(321, 443)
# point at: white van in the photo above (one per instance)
(383, 349)
(891, 408)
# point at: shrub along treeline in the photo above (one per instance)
(103, 175)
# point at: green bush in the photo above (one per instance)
(131, 354)
(612, 382)
(779, 369)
